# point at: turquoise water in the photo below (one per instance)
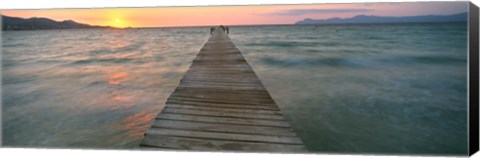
(383, 88)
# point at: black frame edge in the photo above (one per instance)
(473, 79)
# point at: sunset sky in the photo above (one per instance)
(237, 15)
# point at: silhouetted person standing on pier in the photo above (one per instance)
(224, 28)
(212, 29)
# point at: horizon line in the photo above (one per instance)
(247, 24)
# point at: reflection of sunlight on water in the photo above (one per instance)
(122, 102)
(122, 98)
(137, 123)
(93, 80)
(118, 78)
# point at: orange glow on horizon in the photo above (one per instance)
(117, 18)
(118, 23)
(236, 15)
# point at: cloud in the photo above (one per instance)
(295, 12)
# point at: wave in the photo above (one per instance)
(128, 48)
(105, 60)
(305, 62)
(13, 45)
(355, 62)
(430, 59)
(284, 44)
(439, 59)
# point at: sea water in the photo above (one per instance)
(356, 88)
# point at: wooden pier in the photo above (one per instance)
(220, 104)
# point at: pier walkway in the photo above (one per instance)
(220, 104)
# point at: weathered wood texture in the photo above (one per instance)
(220, 104)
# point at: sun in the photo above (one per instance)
(117, 22)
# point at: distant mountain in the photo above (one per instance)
(14, 23)
(385, 19)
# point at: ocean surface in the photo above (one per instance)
(367, 88)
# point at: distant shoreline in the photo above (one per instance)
(460, 17)
(266, 25)
(35, 23)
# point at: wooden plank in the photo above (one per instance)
(222, 77)
(219, 69)
(245, 103)
(221, 114)
(254, 84)
(226, 96)
(156, 148)
(212, 127)
(239, 106)
(223, 120)
(222, 109)
(231, 106)
(233, 56)
(218, 145)
(241, 97)
(206, 90)
(241, 100)
(257, 86)
(225, 136)
(222, 64)
(223, 87)
(239, 79)
(219, 72)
